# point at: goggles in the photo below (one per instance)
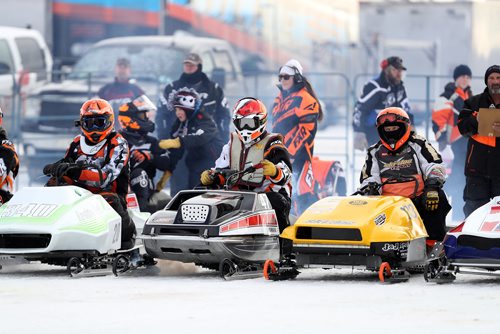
(391, 118)
(284, 76)
(97, 123)
(246, 123)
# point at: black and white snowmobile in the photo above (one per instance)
(234, 232)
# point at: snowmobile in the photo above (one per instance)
(377, 233)
(233, 232)
(68, 226)
(472, 247)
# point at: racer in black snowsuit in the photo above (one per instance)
(145, 154)
(193, 135)
(387, 90)
(212, 100)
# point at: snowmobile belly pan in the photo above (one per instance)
(212, 250)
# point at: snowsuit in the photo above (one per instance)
(9, 167)
(215, 105)
(236, 156)
(444, 124)
(112, 157)
(295, 116)
(482, 165)
(145, 158)
(377, 95)
(416, 158)
(200, 145)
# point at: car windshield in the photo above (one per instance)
(148, 62)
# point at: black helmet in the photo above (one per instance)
(133, 117)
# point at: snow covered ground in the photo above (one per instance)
(183, 299)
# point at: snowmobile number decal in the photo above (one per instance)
(28, 210)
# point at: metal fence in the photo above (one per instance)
(30, 118)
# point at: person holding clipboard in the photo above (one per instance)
(482, 166)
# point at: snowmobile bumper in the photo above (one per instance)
(202, 250)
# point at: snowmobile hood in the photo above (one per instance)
(358, 220)
(484, 222)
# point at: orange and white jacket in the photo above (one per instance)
(9, 167)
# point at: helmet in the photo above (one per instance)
(250, 119)
(96, 120)
(393, 126)
(132, 115)
(187, 99)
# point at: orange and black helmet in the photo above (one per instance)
(133, 115)
(393, 126)
(96, 120)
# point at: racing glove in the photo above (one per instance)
(269, 168)
(207, 177)
(431, 199)
(360, 142)
(163, 180)
(372, 189)
(170, 143)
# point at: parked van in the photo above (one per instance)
(25, 64)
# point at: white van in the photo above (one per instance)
(25, 60)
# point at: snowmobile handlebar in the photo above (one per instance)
(373, 188)
(61, 169)
(232, 175)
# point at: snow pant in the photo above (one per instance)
(281, 205)
(434, 221)
(478, 191)
(118, 203)
(142, 186)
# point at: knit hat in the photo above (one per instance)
(291, 67)
(491, 69)
(461, 70)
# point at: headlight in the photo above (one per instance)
(33, 106)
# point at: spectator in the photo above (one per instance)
(296, 112)
(482, 166)
(212, 100)
(386, 90)
(412, 165)
(444, 123)
(9, 165)
(122, 90)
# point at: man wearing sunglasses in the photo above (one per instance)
(99, 144)
(386, 90)
(407, 165)
(9, 165)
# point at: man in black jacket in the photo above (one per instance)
(387, 90)
(212, 100)
(482, 168)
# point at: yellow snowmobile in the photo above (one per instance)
(379, 233)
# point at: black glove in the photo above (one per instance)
(468, 126)
(3, 134)
(372, 188)
(430, 198)
(50, 169)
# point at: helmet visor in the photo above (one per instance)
(97, 123)
(143, 103)
(390, 118)
(247, 123)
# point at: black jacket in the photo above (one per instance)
(213, 101)
(483, 159)
(9, 167)
(156, 158)
(199, 141)
(377, 95)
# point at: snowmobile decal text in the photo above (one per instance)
(28, 210)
